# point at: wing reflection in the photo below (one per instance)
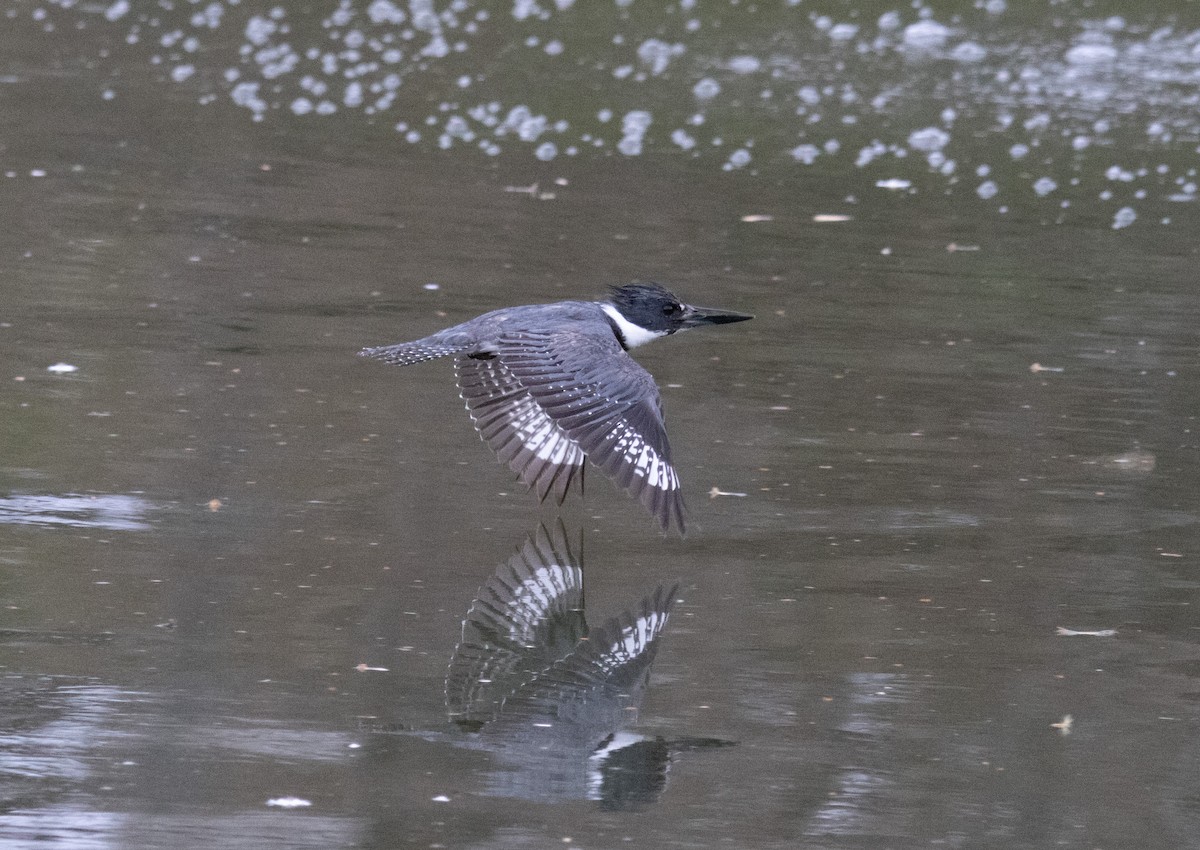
(551, 695)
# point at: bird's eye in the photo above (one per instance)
(670, 309)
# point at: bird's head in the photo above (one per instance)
(655, 311)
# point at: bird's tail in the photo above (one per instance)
(418, 351)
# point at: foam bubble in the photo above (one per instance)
(706, 89)
(1091, 54)
(928, 139)
(658, 54)
(968, 51)
(740, 158)
(805, 154)
(633, 128)
(987, 189)
(117, 10)
(683, 139)
(1044, 186)
(1124, 217)
(744, 64)
(926, 35)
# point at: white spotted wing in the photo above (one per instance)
(564, 396)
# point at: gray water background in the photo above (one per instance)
(963, 418)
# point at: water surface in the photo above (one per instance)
(235, 559)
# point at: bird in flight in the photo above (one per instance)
(550, 386)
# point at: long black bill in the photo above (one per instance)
(694, 317)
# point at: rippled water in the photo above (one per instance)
(940, 582)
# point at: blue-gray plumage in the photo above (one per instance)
(528, 653)
(552, 385)
(552, 696)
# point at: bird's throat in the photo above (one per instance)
(631, 335)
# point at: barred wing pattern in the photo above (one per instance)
(605, 403)
(516, 427)
(607, 674)
(408, 353)
(525, 618)
(546, 402)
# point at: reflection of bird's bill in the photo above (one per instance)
(627, 768)
(551, 696)
(694, 317)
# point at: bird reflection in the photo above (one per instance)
(552, 696)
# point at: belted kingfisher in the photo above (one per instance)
(552, 385)
(552, 695)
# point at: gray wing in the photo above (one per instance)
(606, 675)
(516, 427)
(607, 404)
(507, 418)
(418, 351)
(528, 616)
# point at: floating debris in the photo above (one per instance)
(289, 802)
(1077, 633)
(1132, 461)
(1064, 726)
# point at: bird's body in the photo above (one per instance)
(551, 386)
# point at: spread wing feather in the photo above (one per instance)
(605, 403)
(528, 616)
(545, 402)
(516, 427)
